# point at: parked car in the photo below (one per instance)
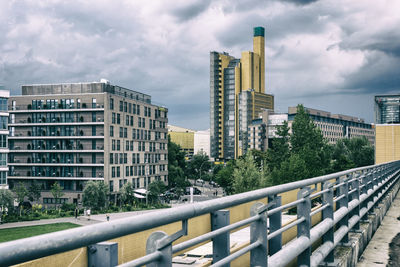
(214, 184)
(196, 191)
(200, 181)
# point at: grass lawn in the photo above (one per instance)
(28, 231)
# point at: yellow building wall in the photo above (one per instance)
(387, 143)
(185, 140)
(247, 73)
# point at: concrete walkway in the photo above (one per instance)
(377, 251)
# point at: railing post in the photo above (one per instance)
(103, 254)
(221, 243)
(303, 229)
(356, 195)
(259, 232)
(344, 202)
(161, 242)
(327, 198)
(275, 223)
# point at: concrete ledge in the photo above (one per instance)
(349, 254)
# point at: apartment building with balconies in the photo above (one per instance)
(4, 95)
(76, 132)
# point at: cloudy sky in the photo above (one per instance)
(332, 55)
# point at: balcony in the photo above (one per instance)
(60, 108)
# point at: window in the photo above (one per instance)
(118, 172)
(93, 102)
(137, 109)
(113, 145)
(111, 158)
(134, 108)
(121, 106)
(111, 131)
(127, 120)
(127, 171)
(127, 145)
(3, 159)
(111, 185)
(133, 134)
(121, 158)
(116, 158)
(125, 132)
(121, 134)
(118, 118)
(113, 172)
(130, 108)
(125, 158)
(111, 103)
(131, 120)
(113, 118)
(118, 145)
(3, 140)
(131, 145)
(144, 123)
(125, 107)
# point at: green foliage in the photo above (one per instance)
(155, 189)
(199, 166)
(34, 191)
(279, 151)
(247, 176)
(176, 165)
(21, 192)
(127, 193)
(6, 200)
(95, 195)
(224, 177)
(56, 191)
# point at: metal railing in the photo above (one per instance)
(343, 200)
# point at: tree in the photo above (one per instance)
(155, 189)
(247, 176)
(361, 151)
(95, 195)
(224, 177)
(127, 193)
(279, 151)
(34, 191)
(56, 191)
(176, 165)
(292, 169)
(6, 200)
(21, 193)
(199, 166)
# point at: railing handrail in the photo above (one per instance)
(48, 244)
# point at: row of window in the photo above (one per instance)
(122, 158)
(59, 103)
(140, 170)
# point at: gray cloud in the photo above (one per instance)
(300, 2)
(317, 52)
(188, 11)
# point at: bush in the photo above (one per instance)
(68, 207)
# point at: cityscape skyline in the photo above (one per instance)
(327, 55)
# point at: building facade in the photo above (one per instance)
(387, 109)
(184, 138)
(202, 142)
(237, 95)
(336, 126)
(4, 95)
(333, 127)
(387, 143)
(74, 133)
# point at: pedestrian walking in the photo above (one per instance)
(76, 213)
(108, 217)
(88, 214)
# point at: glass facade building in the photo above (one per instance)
(387, 109)
(4, 95)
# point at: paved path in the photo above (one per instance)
(377, 251)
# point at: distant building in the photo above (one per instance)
(387, 119)
(190, 141)
(333, 127)
(387, 109)
(72, 133)
(4, 95)
(202, 142)
(336, 126)
(237, 95)
(184, 138)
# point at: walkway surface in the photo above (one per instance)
(383, 249)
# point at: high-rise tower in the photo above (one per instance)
(237, 95)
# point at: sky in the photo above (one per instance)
(333, 55)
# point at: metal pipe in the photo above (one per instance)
(286, 227)
(289, 252)
(237, 254)
(205, 237)
(319, 209)
(289, 205)
(143, 260)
